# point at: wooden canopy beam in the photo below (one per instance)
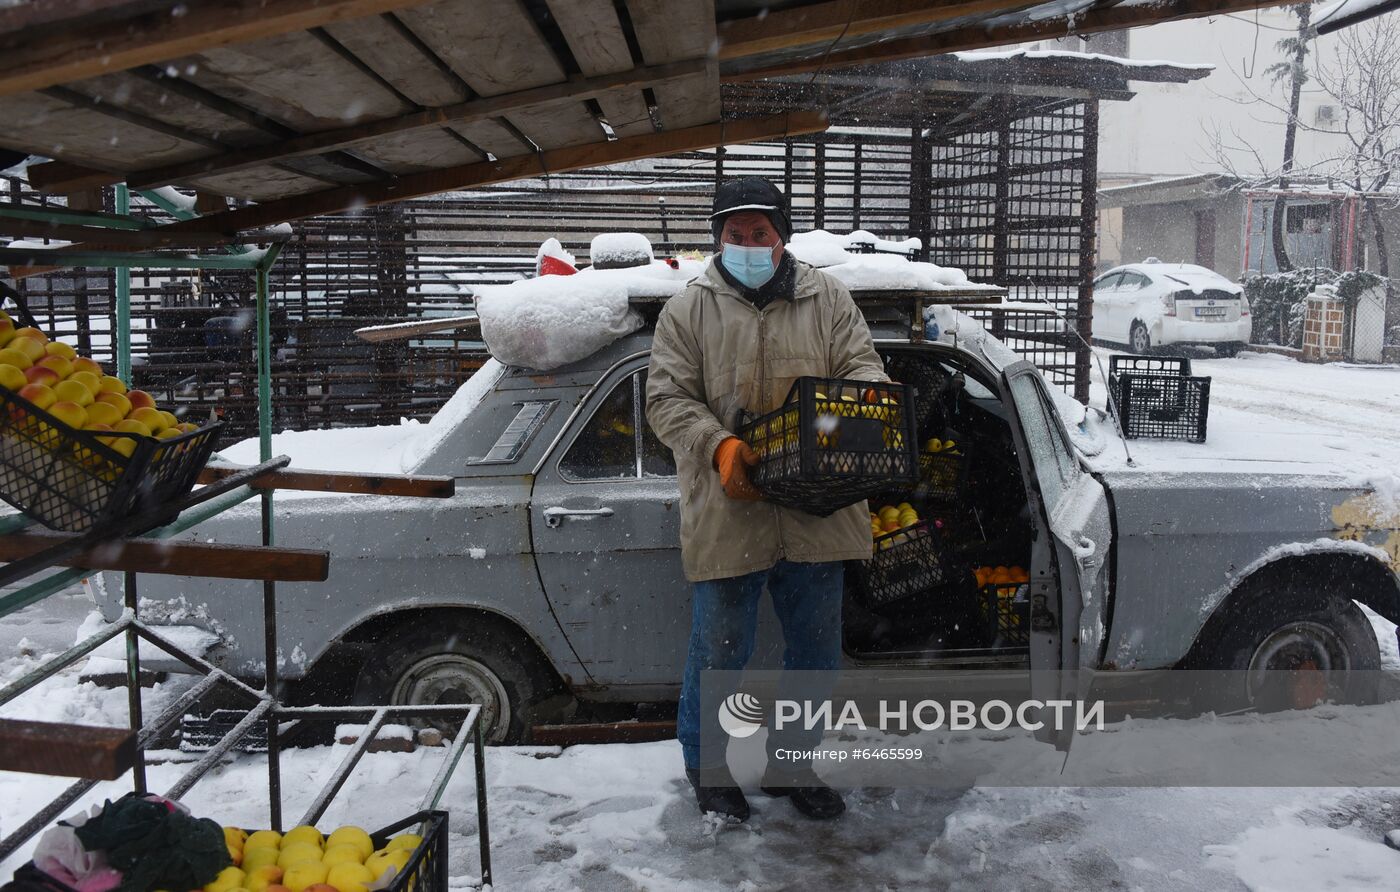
(503, 170)
(57, 176)
(825, 22)
(974, 37)
(140, 239)
(89, 49)
(179, 558)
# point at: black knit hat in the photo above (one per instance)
(750, 194)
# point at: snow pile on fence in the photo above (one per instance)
(550, 321)
(887, 269)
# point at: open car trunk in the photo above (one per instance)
(957, 595)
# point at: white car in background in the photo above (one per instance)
(1153, 304)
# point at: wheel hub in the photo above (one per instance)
(1298, 663)
(453, 678)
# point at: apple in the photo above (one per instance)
(168, 433)
(172, 421)
(187, 427)
(294, 852)
(138, 399)
(41, 374)
(7, 330)
(12, 378)
(259, 855)
(299, 877)
(406, 841)
(152, 419)
(259, 878)
(88, 380)
(113, 384)
(130, 426)
(382, 860)
(31, 332)
(341, 852)
(69, 413)
(39, 394)
(17, 358)
(99, 426)
(58, 348)
(30, 347)
(229, 878)
(103, 413)
(74, 391)
(320, 887)
(277, 887)
(123, 406)
(87, 364)
(123, 445)
(350, 876)
(61, 366)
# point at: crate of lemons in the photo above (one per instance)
(76, 391)
(779, 435)
(897, 519)
(303, 860)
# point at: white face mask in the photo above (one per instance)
(751, 266)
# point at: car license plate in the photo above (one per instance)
(1210, 311)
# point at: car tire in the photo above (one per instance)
(1229, 350)
(1290, 629)
(1139, 341)
(461, 660)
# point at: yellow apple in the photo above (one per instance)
(7, 330)
(29, 346)
(350, 877)
(123, 446)
(131, 426)
(152, 419)
(342, 852)
(31, 332)
(89, 365)
(260, 855)
(12, 378)
(383, 859)
(406, 841)
(58, 348)
(123, 405)
(88, 380)
(167, 433)
(171, 421)
(304, 833)
(295, 852)
(355, 836)
(62, 367)
(229, 878)
(39, 394)
(73, 391)
(106, 413)
(113, 384)
(71, 414)
(303, 874)
(17, 358)
(259, 878)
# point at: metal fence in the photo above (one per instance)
(1012, 206)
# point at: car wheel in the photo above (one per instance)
(460, 661)
(1138, 339)
(1289, 650)
(1229, 350)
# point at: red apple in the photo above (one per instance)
(139, 398)
(42, 374)
(58, 348)
(84, 364)
(69, 413)
(39, 395)
(62, 366)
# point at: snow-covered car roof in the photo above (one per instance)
(1180, 275)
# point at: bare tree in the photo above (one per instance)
(1293, 69)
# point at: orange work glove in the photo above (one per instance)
(732, 459)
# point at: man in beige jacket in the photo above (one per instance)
(735, 339)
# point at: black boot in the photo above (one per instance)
(809, 795)
(725, 798)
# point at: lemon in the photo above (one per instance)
(307, 873)
(259, 857)
(382, 860)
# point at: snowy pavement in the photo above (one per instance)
(619, 817)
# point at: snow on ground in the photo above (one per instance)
(620, 817)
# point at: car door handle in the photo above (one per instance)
(555, 515)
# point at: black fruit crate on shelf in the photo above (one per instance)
(70, 480)
(904, 563)
(942, 476)
(1158, 397)
(833, 443)
(426, 870)
(1006, 608)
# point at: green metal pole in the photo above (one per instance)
(264, 369)
(123, 345)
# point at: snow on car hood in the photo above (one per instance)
(386, 449)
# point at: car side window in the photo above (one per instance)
(1108, 282)
(1135, 281)
(1055, 467)
(609, 444)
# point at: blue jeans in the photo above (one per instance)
(807, 600)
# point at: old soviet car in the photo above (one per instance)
(551, 584)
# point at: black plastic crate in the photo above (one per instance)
(1006, 609)
(1163, 366)
(70, 480)
(833, 443)
(942, 474)
(426, 870)
(904, 563)
(1163, 407)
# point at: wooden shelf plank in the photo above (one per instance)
(66, 750)
(177, 558)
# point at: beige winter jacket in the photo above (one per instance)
(714, 354)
